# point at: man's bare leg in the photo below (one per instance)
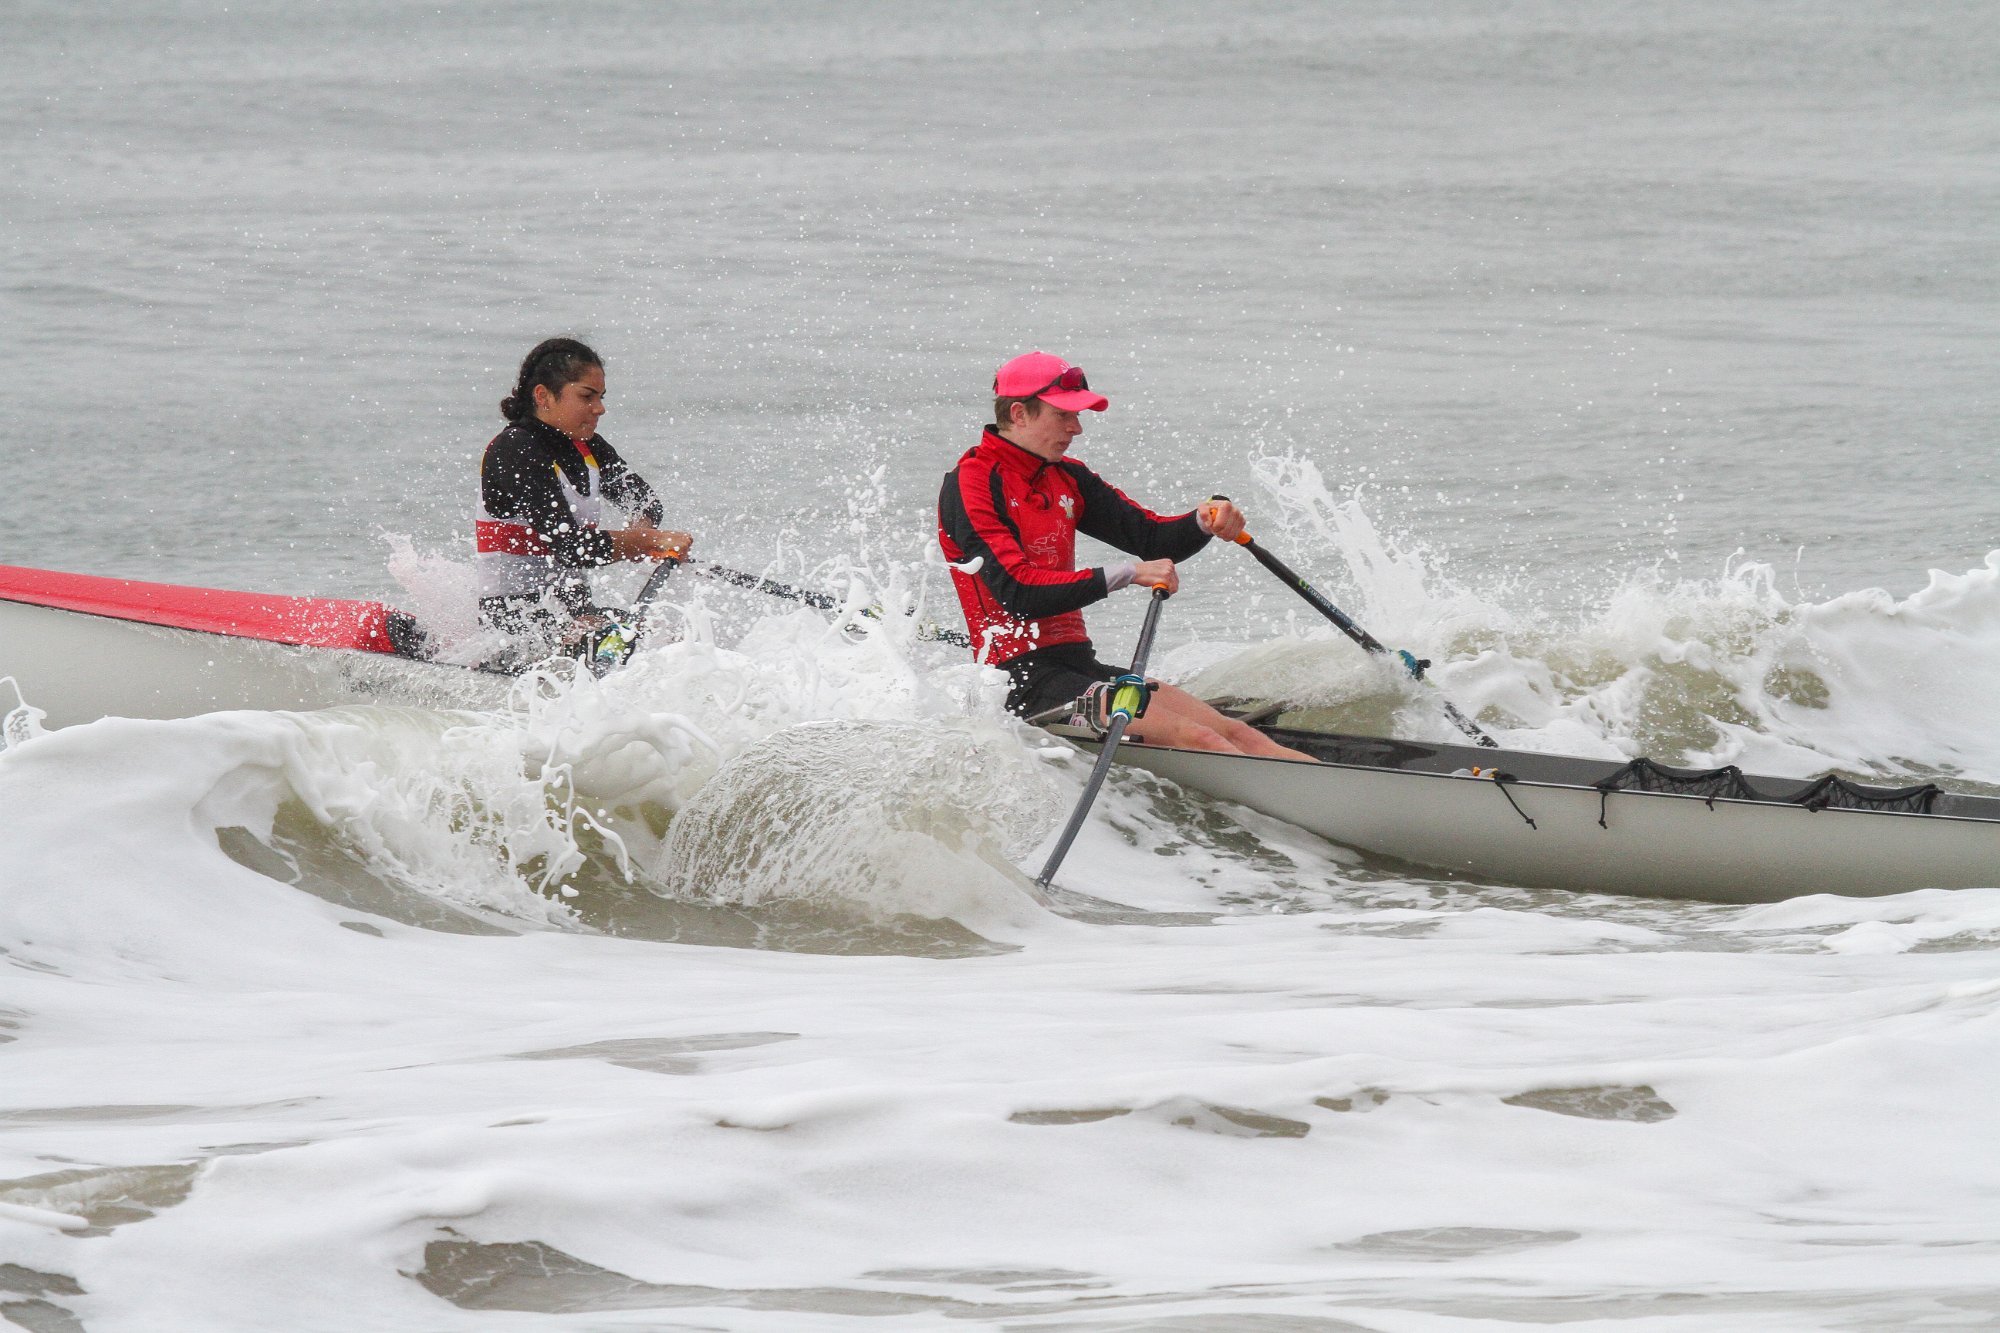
(1179, 719)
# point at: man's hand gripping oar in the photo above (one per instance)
(1411, 663)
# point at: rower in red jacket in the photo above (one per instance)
(1007, 519)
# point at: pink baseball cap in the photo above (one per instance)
(1049, 378)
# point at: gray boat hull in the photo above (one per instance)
(77, 668)
(1404, 802)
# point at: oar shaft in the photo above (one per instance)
(812, 597)
(1312, 596)
(641, 615)
(757, 583)
(1361, 636)
(1112, 735)
(1142, 652)
(654, 582)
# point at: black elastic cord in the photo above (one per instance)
(1501, 780)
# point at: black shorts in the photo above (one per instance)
(1050, 677)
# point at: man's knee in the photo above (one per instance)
(1195, 736)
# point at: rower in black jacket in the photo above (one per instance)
(556, 501)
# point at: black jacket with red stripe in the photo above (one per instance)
(1008, 519)
(533, 481)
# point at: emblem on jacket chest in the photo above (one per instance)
(1068, 507)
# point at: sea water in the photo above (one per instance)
(1634, 363)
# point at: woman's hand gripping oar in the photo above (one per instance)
(1414, 665)
(1128, 702)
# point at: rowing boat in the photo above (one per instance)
(1592, 825)
(80, 647)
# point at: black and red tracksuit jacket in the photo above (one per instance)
(541, 498)
(1008, 520)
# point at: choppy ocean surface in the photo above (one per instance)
(1637, 364)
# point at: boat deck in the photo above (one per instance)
(1555, 770)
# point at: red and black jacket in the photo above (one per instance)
(1007, 521)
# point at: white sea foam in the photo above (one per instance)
(1352, 1071)
(22, 721)
(1696, 671)
(891, 817)
(381, 1019)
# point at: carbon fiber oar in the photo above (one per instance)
(756, 583)
(642, 605)
(1414, 665)
(811, 597)
(615, 646)
(1126, 702)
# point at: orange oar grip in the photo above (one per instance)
(1243, 539)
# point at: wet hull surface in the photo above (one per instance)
(1408, 802)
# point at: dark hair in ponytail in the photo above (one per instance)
(554, 363)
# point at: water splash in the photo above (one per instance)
(572, 806)
(21, 723)
(443, 594)
(1724, 669)
(890, 818)
(1396, 589)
